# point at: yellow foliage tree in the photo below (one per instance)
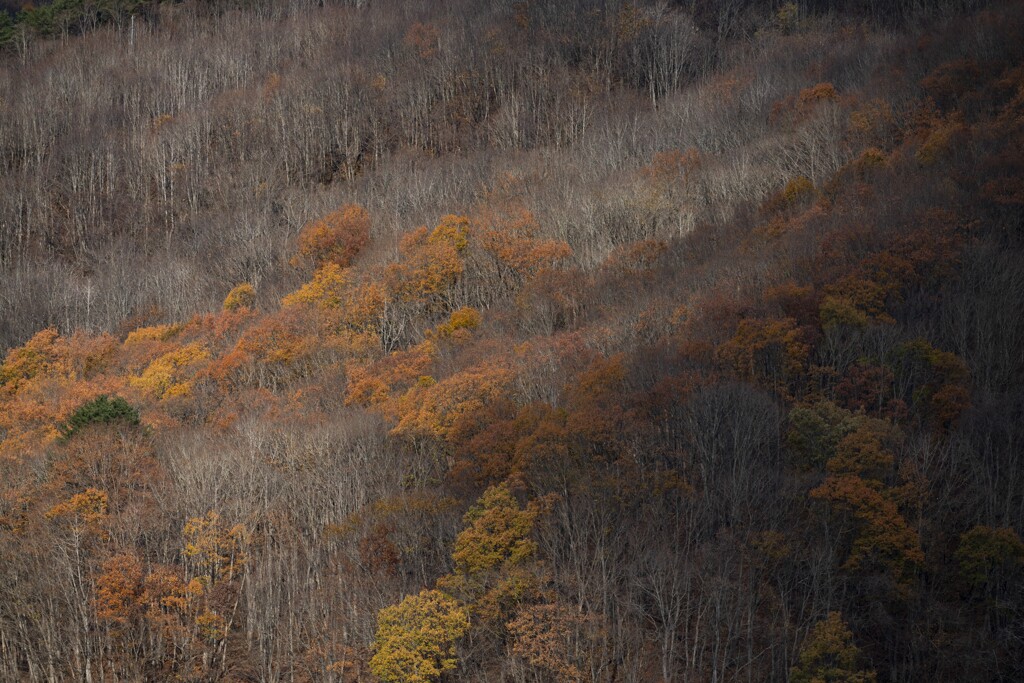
(438, 409)
(493, 557)
(85, 511)
(348, 307)
(431, 262)
(497, 533)
(241, 297)
(164, 377)
(40, 355)
(830, 655)
(326, 289)
(379, 382)
(158, 333)
(214, 550)
(415, 641)
(459, 326)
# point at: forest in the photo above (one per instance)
(513, 341)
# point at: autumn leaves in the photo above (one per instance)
(496, 583)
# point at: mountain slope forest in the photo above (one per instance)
(526, 341)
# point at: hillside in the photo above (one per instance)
(512, 341)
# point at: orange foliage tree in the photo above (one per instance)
(431, 265)
(556, 639)
(855, 486)
(771, 350)
(513, 249)
(436, 409)
(336, 238)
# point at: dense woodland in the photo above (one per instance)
(529, 341)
